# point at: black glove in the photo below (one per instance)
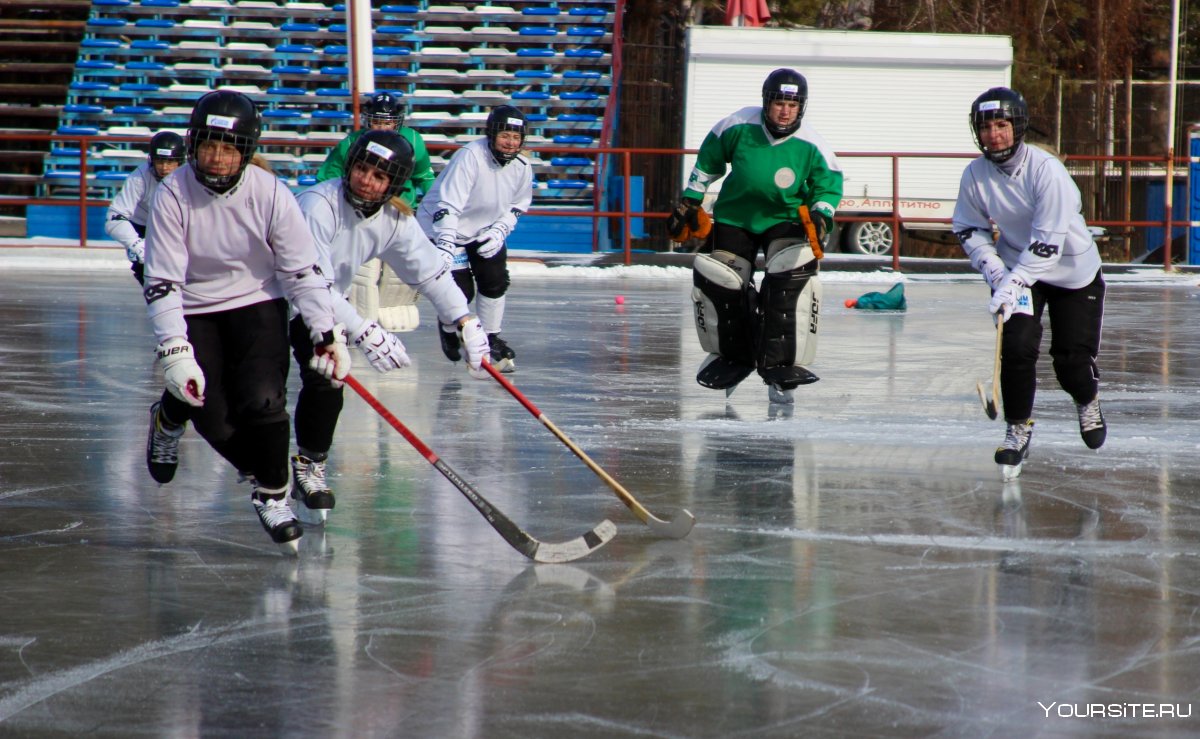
(686, 216)
(823, 223)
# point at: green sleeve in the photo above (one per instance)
(335, 164)
(422, 175)
(824, 187)
(709, 167)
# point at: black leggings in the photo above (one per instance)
(1076, 319)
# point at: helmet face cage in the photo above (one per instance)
(386, 151)
(784, 84)
(228, 117)
(1000, 103)
(504, 118)
(383, 108)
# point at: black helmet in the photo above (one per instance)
(504, 118)
(228, 116)
(1000, 103)
(784, 84)
(387, 151)
(166, 146)
(383, 107)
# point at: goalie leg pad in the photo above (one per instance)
(397, 302)
(790, 304)
(724, 301)
(364, 290)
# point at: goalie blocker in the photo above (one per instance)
(774, 332)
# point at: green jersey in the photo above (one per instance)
(768, 178)
(418, 183)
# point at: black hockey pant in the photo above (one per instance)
(319, 403)
(244, 356)
(1076, 318)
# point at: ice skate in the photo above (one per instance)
(1092, 427)
(502, 354)
(277, 518)
(1012, 453)
(162, 447)
(450, 343)
(314, 499)
(777, 395)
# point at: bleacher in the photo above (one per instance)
(143, 63)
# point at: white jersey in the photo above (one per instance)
(345, 241)
(474, 193)
(208, 252)
(1038, 211)
(131, 206)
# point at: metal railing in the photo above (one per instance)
(1107, 183)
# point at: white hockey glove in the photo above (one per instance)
(1013, 296)
(383, 350)
(136, 252)
(993, 270)
(185, 380)
(475, 344)
(331, 359)
(490, 243)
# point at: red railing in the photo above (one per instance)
(625, 214)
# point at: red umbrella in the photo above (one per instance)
(746, 12)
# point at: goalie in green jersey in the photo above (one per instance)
(780, 170)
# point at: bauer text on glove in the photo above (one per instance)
(184, 378)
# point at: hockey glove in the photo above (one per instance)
(330, 358)
(383, 350)
(688, 221)
(1013, 296)
(185, 380)
(993, 270)
(816, 224)
(475, 344)
(136, 252)
(490, 243)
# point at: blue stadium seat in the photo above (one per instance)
(537, 31)
(289, 69)
(541, 11)
(148, 66)
(585, 31)
(300, 27)
(155, 23)
(107, 22)
(148, 44)
(132, 109)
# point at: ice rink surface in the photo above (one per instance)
(857, 568)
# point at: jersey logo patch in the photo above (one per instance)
(1043, 250)
(785, 178)
(157, 291)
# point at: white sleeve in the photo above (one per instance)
(457, 180)
(296, 264)
(521, 202)
(1056, 199)
(166, 267)
(118, 222)
(971, 223)
(322, 223)
(418, 264)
